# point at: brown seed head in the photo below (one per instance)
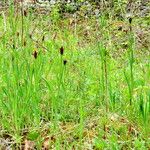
(64, 62)
(25, 13)
(61, 50)
(130, 20)
(35, 54)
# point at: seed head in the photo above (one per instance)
(65, 62)
(130, 20)
(25, 13)
(35, 54)
(61, 50)
(43, 38)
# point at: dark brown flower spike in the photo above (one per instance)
(35, 54)
(43, 38)
(130, 20)
(25, 13)
(61, 50)
(64, 62)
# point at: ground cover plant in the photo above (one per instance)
(74, 82)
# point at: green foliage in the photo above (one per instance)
(70, 81)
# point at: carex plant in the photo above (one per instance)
(138, 90)
(61, 95)
(130, 53)
(51, 80)
(22, 74)
(104, 62)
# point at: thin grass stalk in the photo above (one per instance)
(131, 64)
(104, 66)
(22, 23)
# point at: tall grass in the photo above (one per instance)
(59, 80)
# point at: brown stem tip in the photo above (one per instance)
(130, 20)
(64, 62)
(35, 54)
(61, 50)
(25, 13)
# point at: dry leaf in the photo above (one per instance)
(48, 142)
(28, 145)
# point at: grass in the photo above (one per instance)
(73, 83)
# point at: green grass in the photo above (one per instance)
(95, 95)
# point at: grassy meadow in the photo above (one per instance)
(74, 83)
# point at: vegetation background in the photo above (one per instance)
(75, 74)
